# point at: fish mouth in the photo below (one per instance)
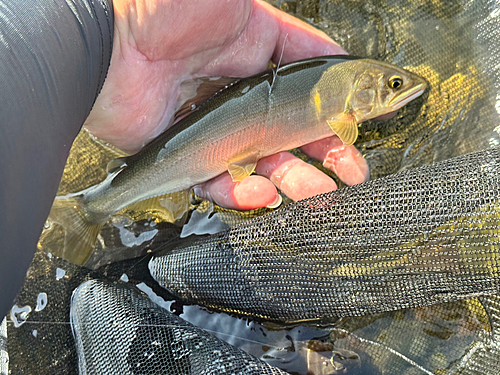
(403, 99)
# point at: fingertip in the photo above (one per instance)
(345, 161)
(254, 192)
(295, 178)
(250, 193)
(319, 149)
(348, 164)
(304, 181)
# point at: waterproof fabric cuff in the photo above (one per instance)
(54, 57)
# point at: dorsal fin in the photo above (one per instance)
(195, 92)
(116, 164)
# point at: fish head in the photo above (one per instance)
(381, 88)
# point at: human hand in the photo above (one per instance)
(158, 44)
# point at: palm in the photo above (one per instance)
(158, 44)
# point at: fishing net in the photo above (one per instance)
(393, 243)
(395, 276)
(155, 342)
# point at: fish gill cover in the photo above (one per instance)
(420, 237)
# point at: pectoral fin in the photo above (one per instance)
(243, 167)
(196, 91)
(116, 164)
(346, 128)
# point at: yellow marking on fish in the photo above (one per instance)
(317, 103)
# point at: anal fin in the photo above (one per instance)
(116, 164)
(243, 167)
(171, 207)
(346, 128)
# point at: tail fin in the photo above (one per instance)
(80, 226)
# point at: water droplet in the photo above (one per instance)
(18, 315)
(60, 273)
(41, 302)
(154, 297)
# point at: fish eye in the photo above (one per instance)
(395, 82)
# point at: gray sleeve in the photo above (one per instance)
(54, 56)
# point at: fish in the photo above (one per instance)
(276, 110)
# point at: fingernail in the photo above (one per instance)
(276, 203)
(199, 192)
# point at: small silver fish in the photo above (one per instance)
(254, 117)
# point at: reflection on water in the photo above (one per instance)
(41, 301)
(298, 350)
(19, 315)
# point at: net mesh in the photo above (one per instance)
(151, 341)
(413, 239)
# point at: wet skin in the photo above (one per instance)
(158, 44)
